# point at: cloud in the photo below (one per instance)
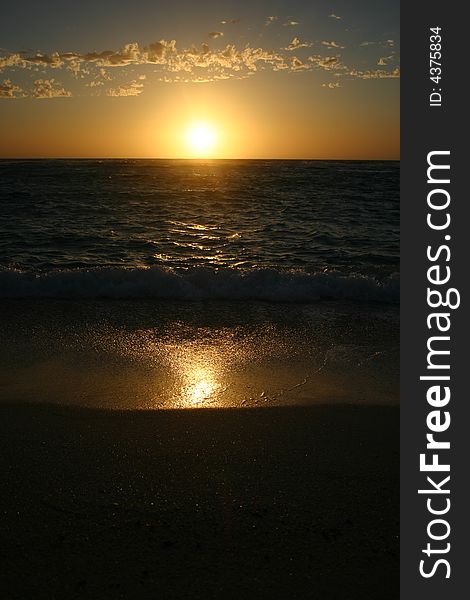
(171, 63)
(250, 57)
(165, 54)
(291, 23)
(298, 65)
(71, 60)
(10, 90)
(49, 88)
(129, 54)
(54, 60)
(11, 61)
(331, 85)
(328, 63)
(201, 79)
(134, 88)
(160, 52)
(384, 44)
(333, 16)
(100, 78)
(224, 61)
(271, 20)
(376, 74)
(215, 34)
(230, 22)
(331, 44)
(75, 67)
(296, 44)
(384, 60)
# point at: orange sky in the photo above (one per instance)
(265, 86)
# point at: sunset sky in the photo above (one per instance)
(181, 79)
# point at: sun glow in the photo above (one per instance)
(201, 139)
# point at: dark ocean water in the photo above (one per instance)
(275, 230)
(145, 284)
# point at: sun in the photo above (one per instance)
(201, 138)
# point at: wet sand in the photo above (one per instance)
(292, 502)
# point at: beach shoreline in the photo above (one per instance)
(285, 502)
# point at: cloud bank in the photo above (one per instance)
(165, 61)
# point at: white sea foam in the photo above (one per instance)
(197, 284)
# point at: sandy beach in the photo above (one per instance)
(297, 502)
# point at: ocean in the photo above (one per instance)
(169, 283)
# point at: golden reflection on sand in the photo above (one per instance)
(199, 374)
(202, 388)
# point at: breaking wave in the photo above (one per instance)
(199, 283)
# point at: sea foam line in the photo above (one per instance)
(197, 284)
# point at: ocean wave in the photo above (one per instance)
(199, 283)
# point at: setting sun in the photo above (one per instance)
(201, 138)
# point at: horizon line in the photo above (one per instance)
(193, 158)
